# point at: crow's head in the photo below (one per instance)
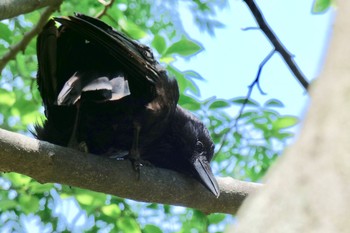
(197, 147)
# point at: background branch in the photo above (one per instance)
(279, 47)
(46, 162)
(13, 8)
(20, 46)
(106, 6)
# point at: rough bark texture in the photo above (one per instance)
(46, 162)
(308, 188)
(13, 8)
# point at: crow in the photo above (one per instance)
(105, 94)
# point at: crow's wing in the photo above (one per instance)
(47, 63)
(134, 59)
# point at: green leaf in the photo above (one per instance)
(132, 29)
(285, 122)
(321, 6)
(18, 180)
(28, 203)
(274, 103)
(7, 98)
(242, 100)
(183, 82)
(84, 199)
(111, 210)
(216, 218)
(167, 59)
(248, 114)
(151, 229)
(189, 103)
(6, 204)
(36, 187)
(283, 135)
(159, 44)
(193, 74)
(219, 104)
(5, 33)
(184, 47)
(89, 198)
(127, 224)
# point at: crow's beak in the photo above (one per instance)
(205, 175)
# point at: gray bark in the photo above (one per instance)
(13, 8)
(46, 162)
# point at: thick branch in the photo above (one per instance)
(20, 46)
(288, 58)
(13, 8)
(46, 162)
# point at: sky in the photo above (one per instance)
(231, 59)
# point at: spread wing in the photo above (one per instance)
(83, 44)
(112, 50)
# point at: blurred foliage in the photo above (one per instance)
(246, 146)
(321, 6)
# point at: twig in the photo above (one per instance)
(106, 6)
(28, 36)
(288, 58)
(250, 90)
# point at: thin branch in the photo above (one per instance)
(106, 6)
(46, 162)
(250, 28)
(250, 90)
(279, 47)
(20, 46)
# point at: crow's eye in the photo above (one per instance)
(199, 146)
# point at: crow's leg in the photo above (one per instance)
(134, 154)
(73, 142)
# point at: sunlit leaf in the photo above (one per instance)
(273, 103)
(167, 59)
(7, 98)
(219, 104)
(36, 187)
(242, 100)
(18, 179)
(84, 199)
(193, 74)
(183, 47)
(216, 218)
(285, 122)
(5, 33)
(132, 29)
(159, 44)
(28, 203)
(189, 103)
(111, 210)
(151, 229)
(129, 225)
(6, 204)
(320, 6)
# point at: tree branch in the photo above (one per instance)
(13, 8)
(106, 6)
(20, 46)
(288, 58)
(46, 162)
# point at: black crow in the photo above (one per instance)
(104, 93)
